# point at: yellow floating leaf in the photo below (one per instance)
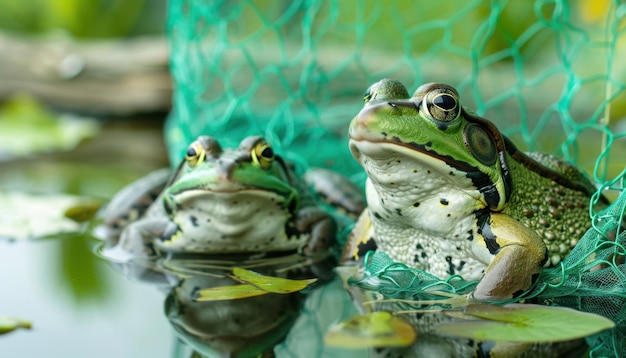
(377, 329)
(8, 324)
(269, 283)
(235, 292)
(83, 211)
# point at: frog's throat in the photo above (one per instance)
(239, 222)
(494, 193)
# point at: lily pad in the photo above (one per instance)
(372, 330)
(8, 324)
(269, 283)
(235, 292)
(26, 216)
(525, 323)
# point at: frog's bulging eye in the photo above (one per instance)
(263, 155)
(195, 154)
(480, 143)
(442, 104)
(385, 89)
(367, 96)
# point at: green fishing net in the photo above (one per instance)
(549, 74)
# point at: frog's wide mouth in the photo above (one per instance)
(265, 186)
(383, 150)
(228, 193)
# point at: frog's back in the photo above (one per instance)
(564, 168)
(552, 198)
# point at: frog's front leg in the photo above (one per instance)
(131, 203)
(321, 227)
(359, 242)
(519, 256)
(139, 238)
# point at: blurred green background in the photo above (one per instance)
(64, 141)
(84, 19)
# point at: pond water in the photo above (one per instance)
(113, 316)
(78, 303)
(109, 316)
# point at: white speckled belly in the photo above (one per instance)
(425, 217)
(245, 221)
(440, 256)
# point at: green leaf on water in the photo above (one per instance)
(8, 324)
(376, 329)
(253, 284)
(269, 283)
(525, 323)
(221, 293)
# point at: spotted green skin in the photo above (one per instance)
(226, 203)
(449, 194)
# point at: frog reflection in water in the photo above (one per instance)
(245, 200)
(449, 194)
(248, 327)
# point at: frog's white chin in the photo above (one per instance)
(390, 164)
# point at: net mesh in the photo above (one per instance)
(547, 73)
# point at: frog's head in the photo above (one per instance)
(210, 170)
(433, 132)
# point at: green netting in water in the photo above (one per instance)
(592, 279)
(549, 74)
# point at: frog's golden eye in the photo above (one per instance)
(195, 154)
(480, 143)
(442, 104)
(262, 155)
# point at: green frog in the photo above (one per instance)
(448, 193)
(244, 200)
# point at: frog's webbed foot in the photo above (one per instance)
(321, 227)
(520, 255)
(138, 239)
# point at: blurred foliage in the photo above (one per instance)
(84, 19)
(46, 153)
(27, 127)
(446, 27)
